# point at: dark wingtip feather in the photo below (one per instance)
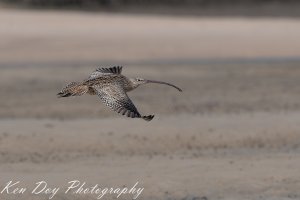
(148, 118)
(114, 69)
(61, 94)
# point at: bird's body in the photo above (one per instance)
(109, 80)
(111, 86)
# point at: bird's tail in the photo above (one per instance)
(148, 117)
(73, 89)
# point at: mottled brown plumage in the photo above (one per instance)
(112, 87)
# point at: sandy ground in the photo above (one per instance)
(232, 134)
(53, 37)
(249, 156)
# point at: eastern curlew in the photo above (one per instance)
(112, 87)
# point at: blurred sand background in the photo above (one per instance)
(234, 132)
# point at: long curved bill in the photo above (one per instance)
(165, 83)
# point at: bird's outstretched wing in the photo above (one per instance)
(116, 98)
(105, 71)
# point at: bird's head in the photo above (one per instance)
(140, 81)
(135, 82)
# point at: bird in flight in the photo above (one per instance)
(111, 87)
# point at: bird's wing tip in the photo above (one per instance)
(148, 117)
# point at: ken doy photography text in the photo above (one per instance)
(74, 187)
